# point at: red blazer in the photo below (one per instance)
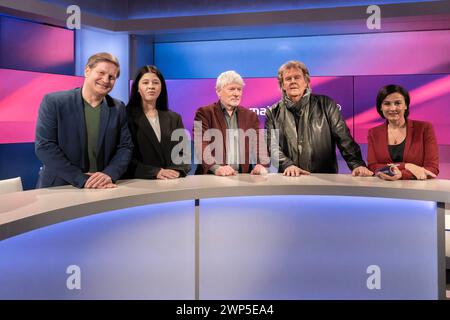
(420, 149)
(212, 117)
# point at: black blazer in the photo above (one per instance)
(150, 155)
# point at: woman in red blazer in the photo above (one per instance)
(408, 144)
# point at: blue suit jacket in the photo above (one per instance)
(61, 141)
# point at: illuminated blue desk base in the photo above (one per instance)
(260, 247)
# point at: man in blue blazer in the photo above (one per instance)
(82, 135)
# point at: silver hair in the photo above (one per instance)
(228, 77)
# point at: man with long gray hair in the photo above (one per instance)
(309, 128)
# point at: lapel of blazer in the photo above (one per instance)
(290, 130)
(218, 114)
(104, 120)
(146, 127)
(79, 117)
(241, 120)
(164, 124)
(384, 141)
(409, 138)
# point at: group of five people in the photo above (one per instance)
(89, 140)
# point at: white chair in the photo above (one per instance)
(11, 185)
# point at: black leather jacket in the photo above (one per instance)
(320, 129)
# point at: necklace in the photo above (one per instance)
(396, 135)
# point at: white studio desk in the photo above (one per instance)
(322, 236)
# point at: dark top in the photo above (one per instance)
(396, 151)
(151, 155)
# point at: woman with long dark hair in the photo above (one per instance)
(151, 125)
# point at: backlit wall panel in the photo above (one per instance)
(356, 96)
(21, 95)
(90, 41)
(20, 98)
(33, 46)
(186, 96)
(335, 55)
(430, 96)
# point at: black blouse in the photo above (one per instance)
(396, 151)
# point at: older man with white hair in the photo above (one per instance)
(235, 126)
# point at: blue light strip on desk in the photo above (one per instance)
(264, 247)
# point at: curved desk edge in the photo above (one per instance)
(202, 187)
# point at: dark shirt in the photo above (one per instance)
(396, 151)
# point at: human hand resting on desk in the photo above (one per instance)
(396, 174)
(164, 174)
(361, 171)
(419, 172)
(259, 169)
(294, 171)
(99, 180)
(225, 171)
